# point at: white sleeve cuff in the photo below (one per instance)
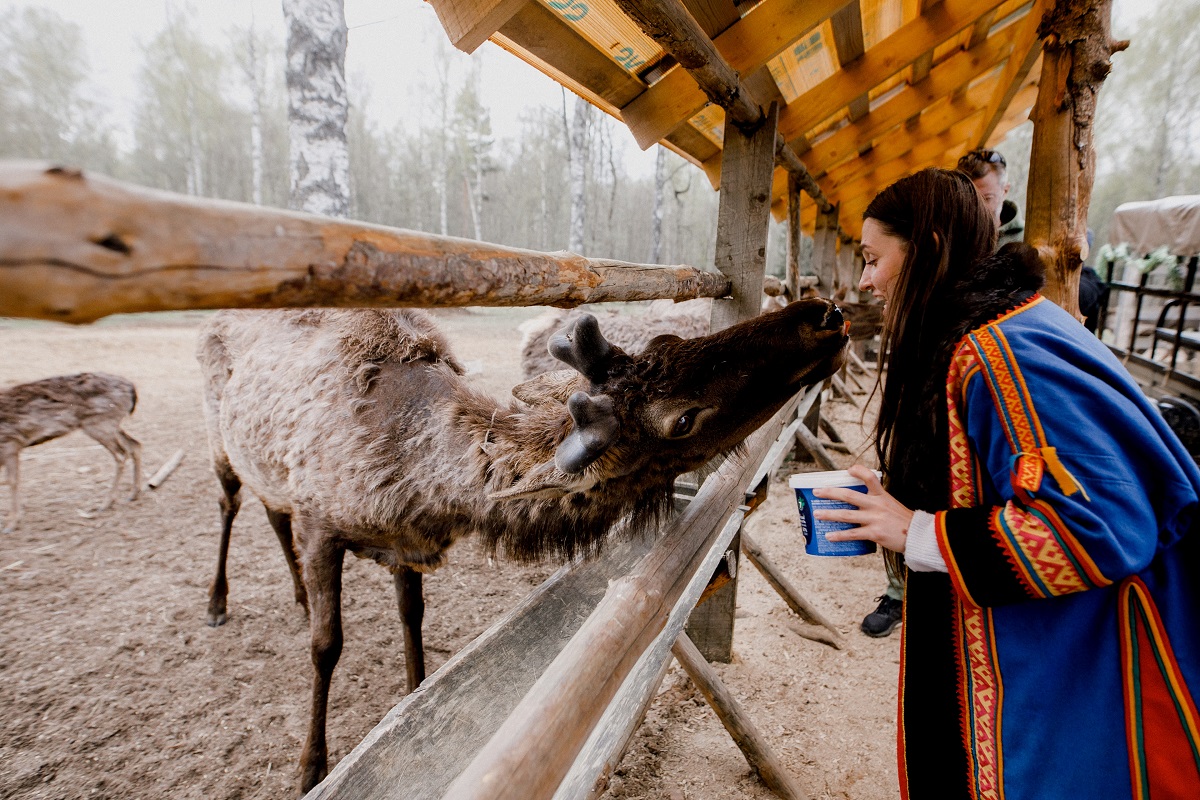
(921, 552)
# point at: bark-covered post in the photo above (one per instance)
(795, 238)
(317, 106)
(1062, 166)
(825, 239)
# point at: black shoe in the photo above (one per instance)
(884, 619)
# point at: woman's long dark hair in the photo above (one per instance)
(941, 217)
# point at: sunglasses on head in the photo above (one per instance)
(986, 156)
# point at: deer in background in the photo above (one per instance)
(358, 432)
(92, 402)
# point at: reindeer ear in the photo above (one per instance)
(549, 387)
(583, 347)
(594, 432)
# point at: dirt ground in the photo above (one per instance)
(111, 684)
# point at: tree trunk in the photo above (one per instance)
(1062, 167)
(317, 106)
(656, 217)
(256, 143)
(578, 158)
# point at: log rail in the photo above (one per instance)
(75, 248)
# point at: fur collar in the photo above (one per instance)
(988, 289)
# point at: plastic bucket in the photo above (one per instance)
(814, 530)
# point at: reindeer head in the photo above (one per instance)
(650, 416)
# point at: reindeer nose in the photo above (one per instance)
(833, 318)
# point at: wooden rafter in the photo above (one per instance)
(1027, 46)
(469, 23)
(848, 41)
(746, 45)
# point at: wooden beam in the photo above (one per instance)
(531, 752)
(848, 41)
(955, 122)
(747, 45)
(885, 59)
(469, 23)
(75, 248)
(1027, 45)
(795, 240)
(825, 250)
(540, 38)
(953, 73)
(1062, 163)
(742, 219)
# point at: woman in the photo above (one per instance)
(1050, 645)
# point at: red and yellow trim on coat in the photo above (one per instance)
(1162, 725)
(1044, 553)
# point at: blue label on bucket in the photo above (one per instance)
(814, 530)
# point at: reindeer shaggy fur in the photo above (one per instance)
(358, 432)
(92, 402)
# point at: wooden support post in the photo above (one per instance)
(742, 222)
(795, 237)
(815, 448)
(1077, 47)
(783, 586)
(77, 247)
(743, 217)
(761, 757)
(825, 239)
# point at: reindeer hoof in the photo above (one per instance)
(216, 616)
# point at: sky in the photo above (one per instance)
(393, 45)
(392, 48)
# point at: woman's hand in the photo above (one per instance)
(879, 516)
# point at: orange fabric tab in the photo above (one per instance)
(1066, 481)
(1027, 472)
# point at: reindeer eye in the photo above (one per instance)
(683, 425)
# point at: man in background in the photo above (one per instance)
(988, 170)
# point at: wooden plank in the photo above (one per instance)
(953, 73)
(848, 42)
(1027, 46)
(469, 23)
(75, 248)
(533, 750)
(711, 623)
(539, 37)
(746, 45)
(743, 219)
(424, 742)
(737, 722)
(893, 54)
(714, 16)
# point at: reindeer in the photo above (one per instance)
(358, 432)
(37, 412)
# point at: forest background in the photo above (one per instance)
(206, 115)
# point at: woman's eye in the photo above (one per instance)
(683, 425)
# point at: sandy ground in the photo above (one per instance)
(111, 685)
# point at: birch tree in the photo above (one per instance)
(577, 158)
(317, 106)
(660, 196)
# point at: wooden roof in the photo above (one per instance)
(868, 90)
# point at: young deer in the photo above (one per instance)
(92, 402)
(358, 432)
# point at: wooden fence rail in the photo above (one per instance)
(77, 247)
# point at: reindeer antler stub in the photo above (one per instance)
(583, 347)
(595, 430)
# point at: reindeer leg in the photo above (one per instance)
(412, 612)
(133, 448)
(12, 470)
(282, 523)
(108, 437)
(231, 501)
(323, 577)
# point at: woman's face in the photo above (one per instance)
(883, 256)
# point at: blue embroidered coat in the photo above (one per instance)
(1066, 638)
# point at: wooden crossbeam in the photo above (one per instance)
(469, 23)
(1027, 46)
(885, 59)
(1018, 113)
(746, 45)
(75, 248)
(953, 73)
(544, 41)
(848, 41)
